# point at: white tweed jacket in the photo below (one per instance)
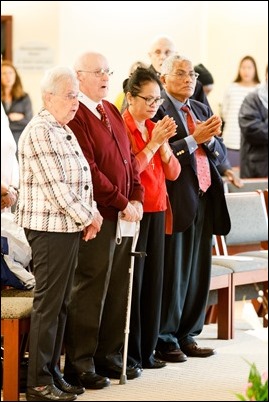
(56, 193)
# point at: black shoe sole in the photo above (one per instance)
(95, 386)
(116, 375)
(172, 358)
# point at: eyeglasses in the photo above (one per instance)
(98, 73)
(69, 96)
(150, 101)
(182, 75)
(159, 52)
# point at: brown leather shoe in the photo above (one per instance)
(173, 356)
(193, 350)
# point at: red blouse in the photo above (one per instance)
(154, 173)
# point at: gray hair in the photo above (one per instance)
(168, 63)
(54, 79)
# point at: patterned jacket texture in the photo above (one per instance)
(56, 193)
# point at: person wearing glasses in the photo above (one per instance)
(55, 207)
(199, 211)
(160, 48)
(97, 311)
(163, 47)
(156, 163)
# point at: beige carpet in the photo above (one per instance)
(216, 378)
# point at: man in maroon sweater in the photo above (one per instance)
(97, 311)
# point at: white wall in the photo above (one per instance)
(218, 34)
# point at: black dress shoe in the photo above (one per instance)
(48, 393)
(115, 371)
(154, 364)
(173, 355)
(66, 387)
(193, 350)
(93, 381)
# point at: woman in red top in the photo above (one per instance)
(157, 163)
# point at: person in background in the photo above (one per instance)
(9, 166)
(160, 48)
(156, 163)
(207, 81)
(245, 82)
(97, 311)
(120, 101)
(253, 122)
(199, 210)
(163, 47)
(16, 101)
(55, 206)
(205, 77)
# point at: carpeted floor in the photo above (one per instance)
(216, 378)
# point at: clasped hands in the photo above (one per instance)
(91, 231)
(206, 130)
(163, 130)
(133, 211)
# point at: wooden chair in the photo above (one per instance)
(220, 301)
(15, 325)
(249, 228)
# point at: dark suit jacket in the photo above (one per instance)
(183, 192)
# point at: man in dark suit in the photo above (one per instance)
(197, 214)
(163, 47)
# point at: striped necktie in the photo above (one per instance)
(202, 164)
(104, 117)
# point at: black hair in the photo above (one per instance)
(140, 77)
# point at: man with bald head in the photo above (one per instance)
(160, 49)
(97, 311)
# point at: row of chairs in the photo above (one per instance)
(240, 263)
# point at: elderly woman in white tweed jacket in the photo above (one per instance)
(55, 206)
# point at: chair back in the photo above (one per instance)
(249, 218)
(251, 184)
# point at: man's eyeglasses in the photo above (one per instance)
(150, 101)
(98, 73)
(159, 52)
(69, 96)
(182, 75)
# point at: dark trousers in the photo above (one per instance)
(147, 289)
(97, 311)
(54, 257)
(187, 273)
